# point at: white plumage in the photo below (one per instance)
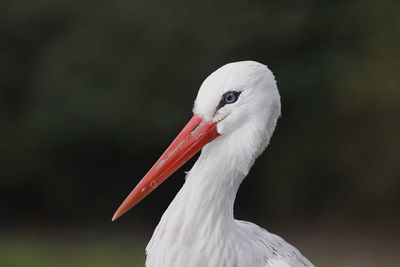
(198, 228)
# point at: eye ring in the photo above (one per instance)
(229, 97)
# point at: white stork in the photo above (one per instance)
(235, 114)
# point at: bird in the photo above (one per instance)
(235, 114)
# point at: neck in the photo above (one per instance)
(202, 210)
(200, 218)
(210, 190)
(204, 205)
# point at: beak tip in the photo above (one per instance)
(116, 216)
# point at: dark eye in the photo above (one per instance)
(228, 98)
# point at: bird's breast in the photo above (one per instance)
(196, 236)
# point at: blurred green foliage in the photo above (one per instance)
(70, 251)
(82, 249)
(92, 92)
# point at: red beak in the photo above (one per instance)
(196, 134)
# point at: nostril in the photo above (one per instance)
(195, 127)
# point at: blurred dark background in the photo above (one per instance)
(92, 92)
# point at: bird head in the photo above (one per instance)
(239, 99)
(237, 94)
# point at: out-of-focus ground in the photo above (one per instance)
(328, 244)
